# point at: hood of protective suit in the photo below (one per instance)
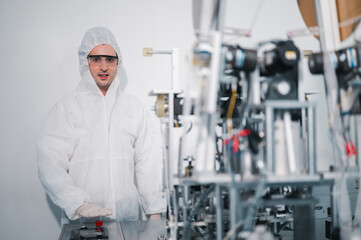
(92, 38)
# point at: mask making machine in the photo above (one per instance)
(241, 138)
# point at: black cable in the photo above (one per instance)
(219, 158)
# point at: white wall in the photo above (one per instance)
(39, 65)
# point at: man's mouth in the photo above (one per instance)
(103, 76)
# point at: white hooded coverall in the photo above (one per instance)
(100, 149)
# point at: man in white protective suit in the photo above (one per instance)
(99, 153)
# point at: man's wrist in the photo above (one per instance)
(155, 216)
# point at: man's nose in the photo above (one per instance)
(103, 65)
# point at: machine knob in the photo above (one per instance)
(98, 223)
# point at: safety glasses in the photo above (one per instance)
(97, 60)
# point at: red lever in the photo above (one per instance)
(350, 149)
(235, 139)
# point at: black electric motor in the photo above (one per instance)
(281, 64)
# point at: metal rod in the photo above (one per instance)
(269, 139)
(159, 52)
(219, 212)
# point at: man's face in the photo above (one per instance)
(103, 72)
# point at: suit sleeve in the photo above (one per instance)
(149, 165)
(55, 147)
